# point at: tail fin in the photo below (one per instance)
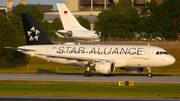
(33, 34)
(68, 20)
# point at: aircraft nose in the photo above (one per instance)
(171, 60)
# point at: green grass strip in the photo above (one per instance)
(88, 89)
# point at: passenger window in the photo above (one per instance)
(161, 53)
(157, 53)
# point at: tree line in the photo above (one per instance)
(12, 32)
(155, 21)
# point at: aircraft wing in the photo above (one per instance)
(75, 58)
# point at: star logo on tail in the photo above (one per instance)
(33, 34)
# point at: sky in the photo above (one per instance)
(44, 2)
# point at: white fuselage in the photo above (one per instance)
(121, 55)
(83, 34)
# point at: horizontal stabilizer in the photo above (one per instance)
(19, 49)
(10, 47)
(58, 33)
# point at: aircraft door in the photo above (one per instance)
(146, 54)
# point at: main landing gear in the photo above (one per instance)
(150, 74)
(88, 73)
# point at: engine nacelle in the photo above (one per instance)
(134, 69)
(105, 67)
(63, 33)
(69, 33)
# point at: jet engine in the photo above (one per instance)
(69, 33)
(105, 67)
(134, 69)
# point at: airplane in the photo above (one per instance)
(103, 59)
(72, 28)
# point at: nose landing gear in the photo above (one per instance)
(150, 74)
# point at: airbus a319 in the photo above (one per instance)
(103, 59)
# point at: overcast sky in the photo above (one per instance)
(45, 2)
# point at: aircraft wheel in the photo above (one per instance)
(90, 73)
(86, 74)
(150, 75)
(107, 74)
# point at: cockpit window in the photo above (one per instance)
(165, 52)
(161, 52)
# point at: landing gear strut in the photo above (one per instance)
(88, 72)
(150, 74)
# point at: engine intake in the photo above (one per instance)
(105, 67)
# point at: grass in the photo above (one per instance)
(88, 89)
(19, 65)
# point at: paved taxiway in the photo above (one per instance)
(94, 78)
(79, 99)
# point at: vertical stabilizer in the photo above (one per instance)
(33, 34)
(68, 20)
